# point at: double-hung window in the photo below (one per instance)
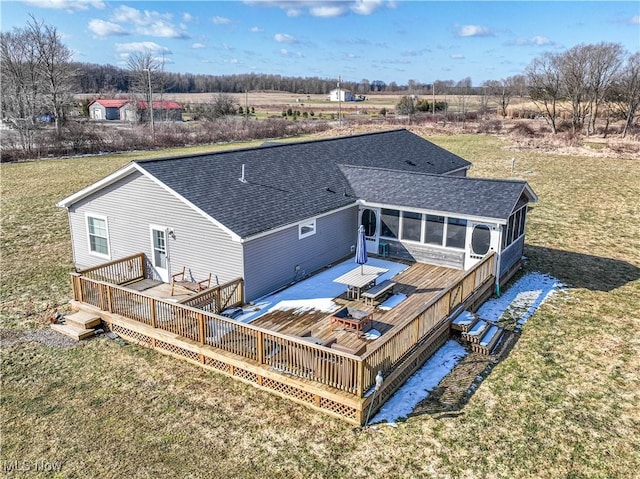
(98, 234)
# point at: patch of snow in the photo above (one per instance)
(421, 383)
(299, 306)
(393, 301)
(372, 334)
(520, 300)
(317, 288)
(465, 317)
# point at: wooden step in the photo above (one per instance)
(83, 320)
(488, 340)
(73, 331)
(476, 332)
(464, 321)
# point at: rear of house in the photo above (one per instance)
(273, 215)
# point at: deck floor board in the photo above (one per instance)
(420, 283)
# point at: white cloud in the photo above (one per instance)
(187, 17)
(366, 7)
(328, 11)
(635, 20)
(100, 28)
(474, 31)
(457, 56)
(147, 22)
(536, 40)
(233, 61)
(284, 38)
(256, 30)
(325, 8)
(220, 20)
(141, 47)
(284, 52)
(196, 46)
(68, 5)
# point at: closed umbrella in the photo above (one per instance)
(361, 248)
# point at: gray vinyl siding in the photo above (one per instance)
(134, 203)
(271, 260)
(422, 253)
(511, 255)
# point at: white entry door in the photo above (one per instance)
(370, 219)
(160, 252)
(482, 239)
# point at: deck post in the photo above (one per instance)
(110, 309)
(201, 328)
(360, 376)
(101, 293)
(75, 286)
(260, 346)
(218, 296)
(152, 304)
(142, 265)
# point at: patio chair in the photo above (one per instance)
(181, 279)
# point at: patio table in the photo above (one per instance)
(360, 278)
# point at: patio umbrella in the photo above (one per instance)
(361, 248)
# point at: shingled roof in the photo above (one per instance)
(289, 182)
(465, 196)
(286, 183)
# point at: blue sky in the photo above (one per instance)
(371, 39)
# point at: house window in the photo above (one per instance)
(98, 235)
(390, 223)
(411, 226)
(456, 232)
(435, 230)
(306, 228)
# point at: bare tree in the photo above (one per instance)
(574, 67)
(545, 86)
(625, 94)
(604, 61)
(55, 68)
(144, 69)
(502, 91)
(37, 78)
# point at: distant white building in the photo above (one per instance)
(341, 95)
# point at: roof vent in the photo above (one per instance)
(242, 178)
(409, 162)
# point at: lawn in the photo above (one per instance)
(564, 403)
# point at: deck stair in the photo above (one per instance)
(481, 334)
(79, 325)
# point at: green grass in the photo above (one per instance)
(564, 403)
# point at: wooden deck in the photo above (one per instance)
(421, 283)
(270, 353)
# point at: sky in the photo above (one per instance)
(387, 40)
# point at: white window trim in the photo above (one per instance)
(106, 224)
(308, 223)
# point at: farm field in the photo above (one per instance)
(564, 403)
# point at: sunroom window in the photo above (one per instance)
(411, 226)
(456, 232)
(98, 235)
(435, 230)
(390, 223)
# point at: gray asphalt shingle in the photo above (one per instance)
(488, 198)
(287, 183)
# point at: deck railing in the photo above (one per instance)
(400, 342)
(289, 355)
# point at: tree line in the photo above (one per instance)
(589, 83)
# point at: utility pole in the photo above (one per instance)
(150, 109)
(339, 103)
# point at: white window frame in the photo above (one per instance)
(311, 224)
(106, 225)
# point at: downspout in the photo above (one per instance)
(73, 251)
(497, 263)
